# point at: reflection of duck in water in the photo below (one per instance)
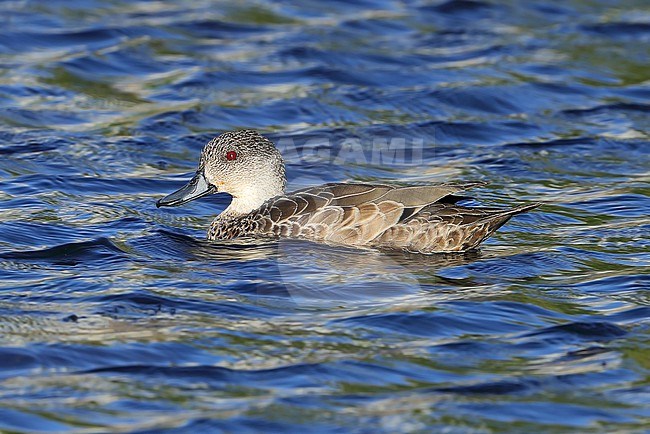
(423, 219)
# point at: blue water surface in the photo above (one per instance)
(119, 317)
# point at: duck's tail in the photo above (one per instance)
(481, 229)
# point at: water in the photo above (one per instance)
(116, 316)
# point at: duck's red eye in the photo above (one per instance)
(231, 155)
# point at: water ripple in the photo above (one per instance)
(117, 316)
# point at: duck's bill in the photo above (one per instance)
(196, 188)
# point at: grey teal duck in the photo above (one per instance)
(422, 219)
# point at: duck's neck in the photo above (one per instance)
(244, 202)
(239, 207)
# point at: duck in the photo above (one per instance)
(422, 219)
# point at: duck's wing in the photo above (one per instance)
(319, 213)
(352, 214)
(416, 198)
(411, 196)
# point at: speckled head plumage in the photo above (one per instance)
(239, 160)
(244, 164)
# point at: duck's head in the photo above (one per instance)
(244, 164)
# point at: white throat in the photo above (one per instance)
(246, 200)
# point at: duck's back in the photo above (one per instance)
(420, 218)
